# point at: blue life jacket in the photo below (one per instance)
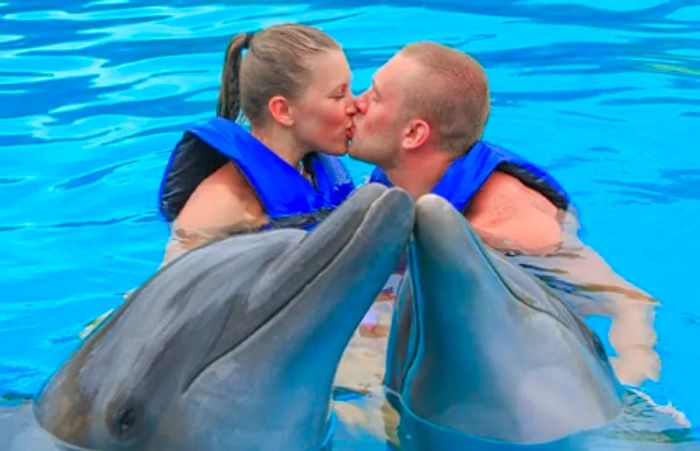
(288, 198)
(468, 173)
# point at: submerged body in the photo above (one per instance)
(235, 343)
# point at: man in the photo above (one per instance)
(421, 122)
(426, 107)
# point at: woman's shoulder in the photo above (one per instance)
(224, 198)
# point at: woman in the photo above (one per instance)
(292, 85)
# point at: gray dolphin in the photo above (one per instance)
(480, 348)
(234, 345)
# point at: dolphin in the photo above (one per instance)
(235, 344)
(480, 348)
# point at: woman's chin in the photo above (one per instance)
(336, 150)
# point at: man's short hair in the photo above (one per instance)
(450, 91)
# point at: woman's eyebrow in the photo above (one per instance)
(341, 87)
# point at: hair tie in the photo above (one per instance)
(248, 37)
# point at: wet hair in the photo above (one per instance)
(450, 91)
(274, 64)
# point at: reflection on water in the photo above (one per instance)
(582, 279)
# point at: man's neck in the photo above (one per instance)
(418, 173)
(282, 143)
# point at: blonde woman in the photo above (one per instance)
(293, 86)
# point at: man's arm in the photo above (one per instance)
(603, 292)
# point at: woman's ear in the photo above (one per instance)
(415, 134)
(281, 110)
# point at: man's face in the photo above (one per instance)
(378, 123)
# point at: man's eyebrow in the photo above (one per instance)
(374, 87)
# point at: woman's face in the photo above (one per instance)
(323, 113)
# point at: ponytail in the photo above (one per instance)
(229, 105)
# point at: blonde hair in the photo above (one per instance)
(273, 65)
(453, 94)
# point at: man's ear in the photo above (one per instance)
(416, 134)
(281, 110)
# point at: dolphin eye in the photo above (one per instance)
(127, 418)
(123, 423)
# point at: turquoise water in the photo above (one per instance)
(94, 95)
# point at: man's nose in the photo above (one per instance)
(361, 103)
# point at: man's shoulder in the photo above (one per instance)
(503, 183)
(507, 209)
(499, 191)
(506, 189)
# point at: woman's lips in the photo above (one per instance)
(349, 132)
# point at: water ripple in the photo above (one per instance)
(92, 177)
(678, 185)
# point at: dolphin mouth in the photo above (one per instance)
(319, 250)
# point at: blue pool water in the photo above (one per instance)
(93, 94)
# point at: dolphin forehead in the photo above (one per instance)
(445, 238)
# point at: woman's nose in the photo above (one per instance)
(351, 108)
